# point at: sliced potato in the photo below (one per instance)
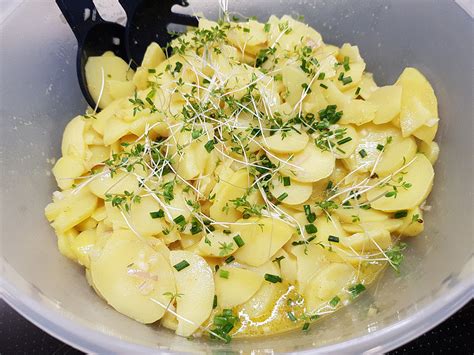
(369, 240)
(310, 165)
(154, 55)
(286, 142)
(263, 301)
(217, 244)
(388, 224)
(262, 237)
(104, 184)
(310, 260)
(412, 224)
(419, 175)
(294, 78)
(133, 278)
(66, 169)
(355, 72)
(395, 155)
(358, 112)
(419, 104)
(296, 192)
(352, 215)
(82, 245)
(73, 143)
(430, 150)
(237, 287)
(195, 283)
(388, 100)
(287, 264)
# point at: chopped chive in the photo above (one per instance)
(346, 80)
(329, 185)
(400, 214)
(335, 300)
(380, 147)
(356, 290)
(226, 231)
(311, 217)
(286, 181)
(151, 71)
(278, 260)
(362, 153)
(209, 146)
(307, 209)
(229, 259)
(278, 77)
(181, 265)
(224, 274)
(157, 214)
(246, 29)
(344, 141)
(310, 228)
(341, 76)
(323, 86)
(292, 317)
(321, 76)
(214, 302)
(333, 238)
(366, 206)
(282, 196)
(357, 90)
(346, 64)
(239, 241)
(272, 278)
(266, 27)
(180, 220)
(305, 327)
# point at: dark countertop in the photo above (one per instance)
(453, 336)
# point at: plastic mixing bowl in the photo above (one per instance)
(39, 94)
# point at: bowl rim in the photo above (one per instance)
(57, 324)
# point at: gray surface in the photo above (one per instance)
(39, 94)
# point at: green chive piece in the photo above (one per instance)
(214, 302)
(334, 302)
(305, 327)
(292, 316)
(286, 181)
(307, 209)
(321, 76)
(224, 274)
(311, 217)
(157, 214)
(346, 80)
(310, 228)
(344, 141)
(346, 64)
(151, 71)
(266, 27)
(282, 196)
(400, 214)
(209, 146)
(323, 86)
(357, 91)
(272, 278)
(180, 220)
(239, 241)
(356, 290)
(380, 147)
(333, 238)
(362, 153)
(181, 265)
(229, 259)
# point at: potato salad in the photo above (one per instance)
(246, 180)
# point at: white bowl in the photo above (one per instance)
(39, 94)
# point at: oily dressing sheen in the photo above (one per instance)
(246, 184)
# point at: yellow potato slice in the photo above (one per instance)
(395, 155)
(97, 154)
(105, 184)
(388, 100)
(412, 224)
(310, 165)
(293, 79)
(119, 89)
(263, 237)
(430, 150)
(82, 245)
(235, 286)
(310, 260)
(217, 244)
(358, 112)
(287, 264)
(355, 72)
(103, 116)
(345, 150)
(296, 192)
(64, 243)
(350, 51)
(419, 103)
(195, 283)
(336, 97)
(73, 143)
(66, 169)
(263, 301)
(388, 224)
(370, 240)
(154, 55)
(419, 174)
(129, 274)
(286, 142)
(115, 128)
(225, 191)
(328, 283)
(352, 215)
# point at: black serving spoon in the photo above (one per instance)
(147, 21)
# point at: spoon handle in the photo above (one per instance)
(81, 16)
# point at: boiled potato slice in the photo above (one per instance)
(262, 237)
(355, 72)
(66, 169)
(296, 192)
(103, 116)
(388, 224)
(336, 97)
(310, 260)
(288, 267)
(419, 104)
(395, 155)
(352, 215)
(294, 78)
(97, 154)
(82, 245)
(195, 283)
(358, 112)
(154, 55)
(249, 36)
(119, 89)
(237, 287)
(345, 149)
(286, 142)
(217, 244)
(412, 224)
(225, 191)
(369, 240)
(129, 274)
(73, 143)
(328, 283)
(430, 150)
(264, 300)
(115, 128)
(72, 210)
(105, 184)
(99, 70)
(350, 51)
(419, 174)
(388, 101)
(310, 165)
(64, 243)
